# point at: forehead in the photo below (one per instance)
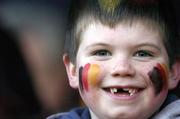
(134, 28)
(87, 21)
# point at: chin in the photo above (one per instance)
(124, 114)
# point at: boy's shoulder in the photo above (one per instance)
(170, 110)
(76, 113)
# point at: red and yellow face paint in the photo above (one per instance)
(88, 75)
(159, 77)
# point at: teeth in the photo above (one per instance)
(126, 89)
(132, 91)
(129, 90)
(113, 90)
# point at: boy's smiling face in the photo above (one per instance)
(122, 72)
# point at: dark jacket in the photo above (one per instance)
(77, 113)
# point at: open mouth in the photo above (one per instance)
(122, 91)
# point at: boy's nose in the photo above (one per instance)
(122, 68)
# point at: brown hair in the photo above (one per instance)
(157, 13)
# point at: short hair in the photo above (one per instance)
(157, 13)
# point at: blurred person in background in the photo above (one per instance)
(17, 97)
(40, 31)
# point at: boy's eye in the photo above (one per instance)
(143, 53)
(102, 53)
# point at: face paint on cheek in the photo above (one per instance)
(159, 77)
(80, 78)
(85, 76)
(93, 74)
(88, 75)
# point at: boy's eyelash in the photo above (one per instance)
(101, 52)
(144, 53)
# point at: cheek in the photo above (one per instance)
(159, 77)
(88, 75)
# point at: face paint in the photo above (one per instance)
(159, 76)
(80, 78)
(88, 75)
(85, 76)
(93, 73)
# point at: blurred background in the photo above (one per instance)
(33, 82)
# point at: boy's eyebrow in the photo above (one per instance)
(150, 45)
(137, 45)
(96, 45)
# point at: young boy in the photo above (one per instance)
(122, 56)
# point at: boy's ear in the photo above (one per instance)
(71, 71)
(174, 74)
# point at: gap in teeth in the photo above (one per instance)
(131, 91)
